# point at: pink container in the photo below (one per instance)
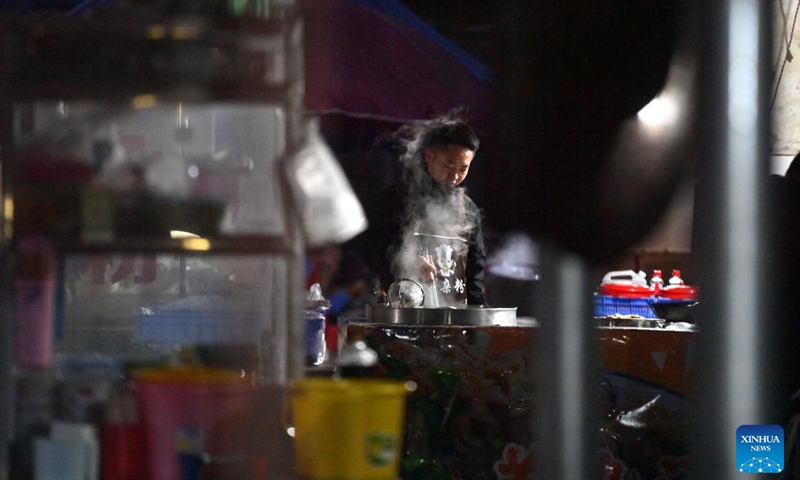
(35, 289)
(34, 304)
(217, 403)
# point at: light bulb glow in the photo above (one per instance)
(661, 112)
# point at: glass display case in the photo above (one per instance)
(152, 255)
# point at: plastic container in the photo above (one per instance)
(35, 296)
(656, 282)
(121, 438)
(607, 305)
(314, 337)
(676, 301)
(83, 434)
(314, 318)
(625, 283)
(348, 428)
(218, 402)
(623, 293)
(677, 290)
(676, 278)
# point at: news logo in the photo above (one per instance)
(759, 449)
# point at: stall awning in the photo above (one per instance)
(375, 58)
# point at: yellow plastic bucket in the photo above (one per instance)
(348, 429)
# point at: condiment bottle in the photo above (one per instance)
(656, 281)
(121, 438)
(314, 318)
(676, 278)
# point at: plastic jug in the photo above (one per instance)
(625, 283)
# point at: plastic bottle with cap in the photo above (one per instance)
(121, 437)
(656, 281)
(676, 278)
(314, 318)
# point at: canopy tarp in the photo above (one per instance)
(375, 58)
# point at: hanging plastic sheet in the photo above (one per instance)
(328, 207)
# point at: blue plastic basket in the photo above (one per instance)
(607, 305)
(202, 328)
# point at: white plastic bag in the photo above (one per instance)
(329, 209)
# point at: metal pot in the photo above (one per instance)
(469, 315)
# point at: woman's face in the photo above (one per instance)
(449, 165)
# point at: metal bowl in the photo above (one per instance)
(675, 311)
(470, 315)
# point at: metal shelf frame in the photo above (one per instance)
(273, 50)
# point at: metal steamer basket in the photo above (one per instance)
(468, 315)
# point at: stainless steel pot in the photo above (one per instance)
(470, 315)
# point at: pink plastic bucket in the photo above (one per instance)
(217, 403)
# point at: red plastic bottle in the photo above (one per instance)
(121, 449)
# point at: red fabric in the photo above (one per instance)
(362, 62)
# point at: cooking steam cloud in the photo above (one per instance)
(517, 258)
